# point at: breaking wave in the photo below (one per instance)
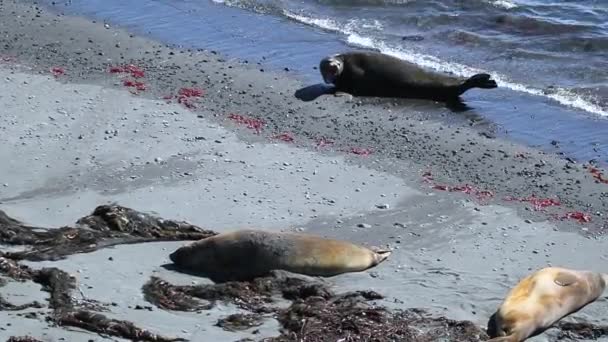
(561, 95)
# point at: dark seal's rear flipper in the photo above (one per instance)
(483, 81)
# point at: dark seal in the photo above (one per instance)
(374, 74)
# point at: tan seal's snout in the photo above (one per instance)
(381, 254)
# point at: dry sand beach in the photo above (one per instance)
(224, 144)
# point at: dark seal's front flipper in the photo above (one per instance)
(483, 81)
(312, 92)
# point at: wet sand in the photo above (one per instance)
(74, 136)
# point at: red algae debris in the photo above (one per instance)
(598, 175)
(134, 84)
(467, 189)
(286, 137)
(7, 58)
(537, 203)
(322, 142)
(252, 123)
(360, 151)
(185, 96)
(57, 71)
(576, 215)
(135, 71)
(427, 177)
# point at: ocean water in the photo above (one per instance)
(550, 58)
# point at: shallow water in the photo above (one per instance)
(549, 58)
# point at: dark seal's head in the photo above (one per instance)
(199, 255)
(331, 67)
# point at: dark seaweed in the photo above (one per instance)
(108, 225)
(316, 313)
(22, 339)
(579, 331)
(253, 295)
(239, 322)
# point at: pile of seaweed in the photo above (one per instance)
(108, 225)
(314, 312)
(317, 313)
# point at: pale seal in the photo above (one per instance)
(541, 299)
(375, 74)
(245, 254)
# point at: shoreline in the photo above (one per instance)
(448, 151)
(76, 138)
(533, 120)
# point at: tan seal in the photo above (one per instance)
(541, 299)
(245, 254)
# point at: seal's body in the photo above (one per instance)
(246, 254)
(376, 74)
(541, 299)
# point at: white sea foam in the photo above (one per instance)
(562, 96)
(504, 4)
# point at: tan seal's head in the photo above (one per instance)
(541, 299)
(331, 67)
(380, 254)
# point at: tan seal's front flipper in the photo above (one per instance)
(565, 279)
